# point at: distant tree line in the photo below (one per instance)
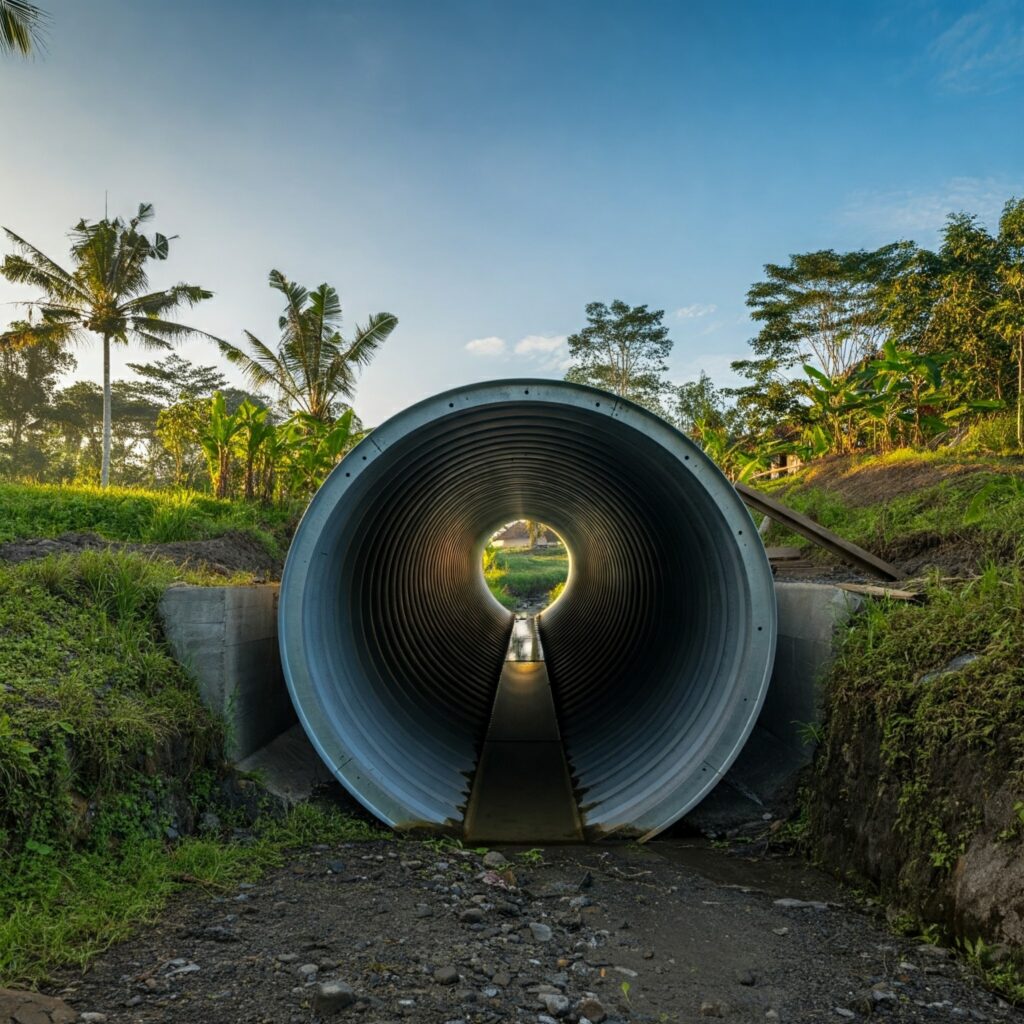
(177, 423)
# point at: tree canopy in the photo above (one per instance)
(623, 349)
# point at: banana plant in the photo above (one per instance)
(254, 433)
(315, 448)
(217, 443)
(835, 402)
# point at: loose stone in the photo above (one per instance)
(332, 996)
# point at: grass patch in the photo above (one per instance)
(985, 506)
(514, 577)
(924, 729)
(132, 514)
(63, 910)
(104, 745)
(90, 695)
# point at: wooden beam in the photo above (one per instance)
(817, 534)
(890, 592)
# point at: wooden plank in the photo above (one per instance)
(815, 532)
(890, 592)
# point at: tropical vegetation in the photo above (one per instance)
(857, 352)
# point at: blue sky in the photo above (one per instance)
(485, 169)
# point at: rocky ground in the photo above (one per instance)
(389, 931)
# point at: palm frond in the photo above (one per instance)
(148, 340)
(369, 338)
(52, 273)
(155, 303)
(22, 26)
(169, 329)
(261, 369)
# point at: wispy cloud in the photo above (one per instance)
(544, 353)
(540, 343)
(982, 50)
(920, 213)
(695, 311)
(491, 346)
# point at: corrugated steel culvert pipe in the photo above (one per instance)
(659, 651)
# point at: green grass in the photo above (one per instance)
(63, 909)
(986, 507)
(132, 514)
(924, 747)
(90, 695)
(104, 743)
(517, 576)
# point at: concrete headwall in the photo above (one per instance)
(762, 780)
(227, 637)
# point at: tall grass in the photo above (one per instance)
(517, 576)
(130, 514)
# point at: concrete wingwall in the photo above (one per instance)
(227, 638)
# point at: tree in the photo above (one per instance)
(28, 379)
(1008, 310)
(21, 26)
(76, 418)
(314, 367)
(825, 307)
(699, 401)
(106, 294)
(179, 429)
(623, 349)
(171, 379)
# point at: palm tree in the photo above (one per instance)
(21, 26)
(313, 366)
(106, 294)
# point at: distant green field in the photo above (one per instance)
(517, 576)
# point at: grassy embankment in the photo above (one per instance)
(919, 780)
(106, 751)
(515, 577)
(129, 514)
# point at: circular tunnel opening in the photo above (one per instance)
(658, 653)
(526, 565)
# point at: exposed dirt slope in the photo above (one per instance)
(859, 483)
(231, 552)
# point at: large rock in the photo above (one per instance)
(17, 1007)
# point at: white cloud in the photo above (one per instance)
(919, 214)
(539, 343)
(983, 49)
(491, 346)
(695, 311)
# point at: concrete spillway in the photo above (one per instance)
(658, 654)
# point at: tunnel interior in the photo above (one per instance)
(658, 652)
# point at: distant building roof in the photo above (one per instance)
(517, 534)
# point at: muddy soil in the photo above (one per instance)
(378, 932)
(231, 552)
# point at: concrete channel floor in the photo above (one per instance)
(522, 788)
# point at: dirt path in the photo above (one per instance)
(379, 932)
